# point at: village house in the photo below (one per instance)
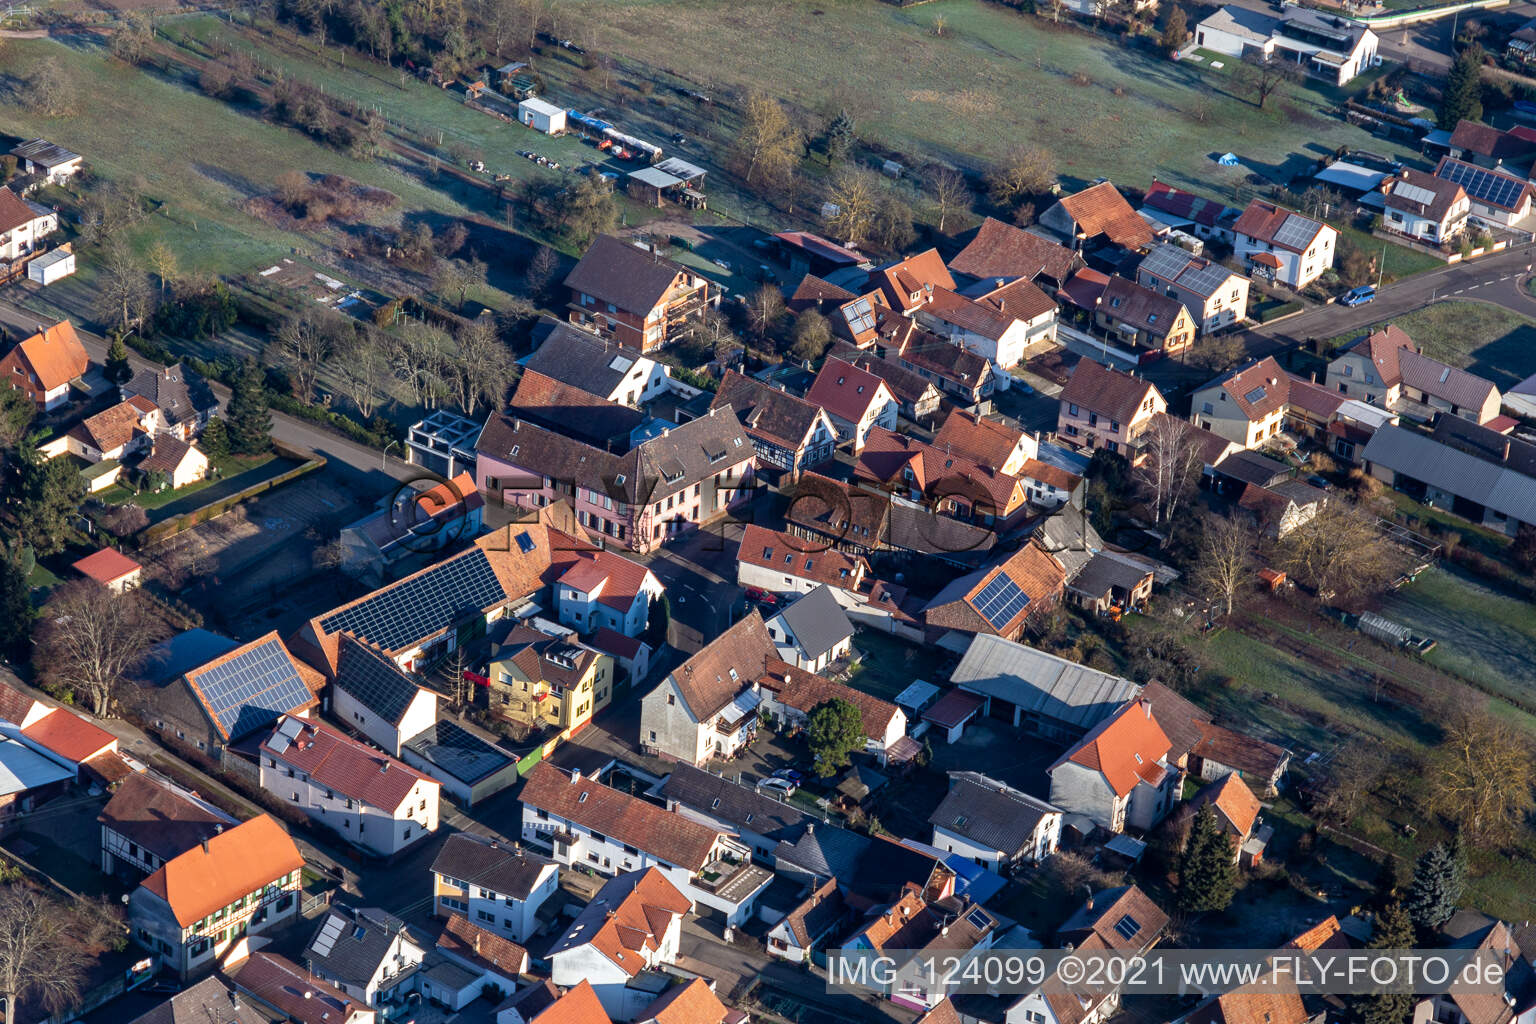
(403, 537)
(43, 365)
(1280, 246)
(856, 400)
(1106, 408)
(999, 599)
(114, 433)
(495, 886)
(993, 824)
(362, 951)
(814, 293)
(185, 400)
(788, 433)
(790, 694)
(758, 819)
(1386, 368)
(594, 589)
(609, 832)
(837, 515)
(1247, 406)
(1425, 206)
(965, 376)
(367, 797)
(539, 679)
(812, 631)
(213, 998)
(1119, 775)
(907, 284)
(668, 484)
(200, 904)
(707, 706)
(1497, 199)
(149, 821)
(1048, 696)
(23, 225)
(1275, 1006)
(1107, 584)
(948, 482)
(294, 994)
(1496, 945)
(468, 962)
(1000, 250)
(781, 563)
(544, 1003)
(1478, 474)
(54, 163)
(690, 1002)
(575, 414)
(372, 695)
(918, 398)
(632, 925)
(1214, 296)
(947, 926)
(173, 463)
(1097, 214)
(1221, 752)
(597, 365)
(1183, 211)
(813, 924)
(1321, 44)
(1237, 813)
(634, 296)
(1146, 321)
(997, 322)
(1282, 507)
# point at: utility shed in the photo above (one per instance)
(541, 116)
(1385, 630)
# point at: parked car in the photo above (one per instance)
(758, 595)
(722, 264)
(1358, 296)
(780, 787)
(789, 775)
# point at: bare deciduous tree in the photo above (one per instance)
(1265, 77)
(1226, 553)
(1340, 553)
(305, 342)
(419, 358)
(541, 271)
(764, 310)
(769, 144)
(951, 195)
(1026, 170)
(50, 90)
(162, 260)
(1171, 470)
(482, 367)
(122, 288)
(1481, 775)
(362, 372)
(38, 958)
(90, 638)
(855, 195)
(456, 277)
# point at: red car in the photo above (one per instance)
(761, 596)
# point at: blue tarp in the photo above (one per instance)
(1228, 160)
(588, 122)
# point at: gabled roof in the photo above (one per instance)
(916, 275)
(998, 599)
(1490, 142)
(990, 813)
(1002, 250)
(812, 292)
(971, 315)
(160, 818)
(252, 686)
(1180, 720)
(213, 998)
(1266, 222)
(1195, 274)
(617, 580)
(1485, 186)
(627, 919)
(943, 358)
(820, 247)
(507, 871)
(1382, 348)
(909, 386)
(1326, 934)
(806, 691)
(106, 566)
(351, 943)
(578, 1005)
(1101, 210)
(1040, 683)
(1140, 307)
(464, 940)
(1432, 377)
(1108, 392)
(838, 509)
(817, 621)
(819, 913)
(768, 549)
(291, 990)
(55, 355)
(41, 151)
(988, 442)
(743, 807)
(1232, 801)
(1019, 299)
(1258, 389)
(846, 391)
(613, 270)
(228, 866)
(109, 429)
(374, 681)
(713, 676)
(1187, 205)
(1123, 919)
(1237, 750)
(167, 455)
(584, 360)
(340, 763)
(73, 737)
(620, 816)
(179, 392)
(774, 416)
(588, 417)
(1422, 194)
(1124, 748)
(15, 211)
(1258, 1007)
(692, 1002)
(887, 455)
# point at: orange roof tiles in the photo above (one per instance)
(811, 560)
(1002, 250)
(630, 930)
(722, 668)
(1232, 799)
(1259, 389)
(338, 762)
(106, 566)
(579, 1005)
(1124, 748)
(14, 211)
(1262, 221)
(915, 275)
(1326, 934)
(690, 1003)
(111, 428)
(55, 355)
(71, 736)
(1258, 1007)
(467, 940)
(232, 864)
(1102, 210)
(989, 442)
(1108, 392)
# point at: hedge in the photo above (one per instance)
(1266, 313)
(170, 527)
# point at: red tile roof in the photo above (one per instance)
(722, 668)
(1108, 392)
(579, 1005)
(690, 1003)
(1231, 799)
(1260, 389)
(1002, 250)
(916, 275)
(620, 816)
(989, 442)
(1326, 934)
(1102, 210)
(1258, 1007)
(952, 709)
(467, 940)
(635, 926)
(106, 566)
(55, 355)
(1262, 221)
(1124, 748)
(620, 579)
(1020, 299)
(804, 691)
(71, 736)
(1085, 287)
(846, 391)
(298, 994)
(977, 317)
(111, 428)
(14, 211)
(1382, 349)
(810, 560)
(235, 863)
(336, 761)
(887, 454)
(812, 291)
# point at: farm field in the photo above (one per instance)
(993, 80)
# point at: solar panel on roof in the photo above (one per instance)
(1296, 232)
(1000, 600)
(1256, 395)
(1482, 184)
(1413, 193)
(1206, 280)
(1166, 261)
(860, 316)
(252, 689)
(417, 607)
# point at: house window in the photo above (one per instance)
(1071, 409)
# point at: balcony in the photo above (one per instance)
(732, 878)
(690, 306)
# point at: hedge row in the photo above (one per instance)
(170, 527)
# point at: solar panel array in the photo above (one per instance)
(460, 753)
(396, 618)
(1000, 600)
(374, 681)
(1483, 185)
(252, 689)
(1413, 193)
(1206, 280)
(1256, 395)
(1166, 262)
(860, 316)
(1296, 232)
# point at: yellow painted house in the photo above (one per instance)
(538, 679)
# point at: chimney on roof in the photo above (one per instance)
(575, 776)
(218, 828)
(205, 845)
(1147, 706)
(234, 1000)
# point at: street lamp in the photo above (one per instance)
(384, 458)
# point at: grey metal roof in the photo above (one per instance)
(740, 806)
(1424, 459)
(1041, 683)
(989, 812)
(41, 151)
(506, 870)
(655, 177)
(818, 621)
(376, 682)
(351, 943)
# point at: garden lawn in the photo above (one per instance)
(235, 472)
(1399, 262)
(890, 665)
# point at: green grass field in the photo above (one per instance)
(993, 80)
(1491, 341)
(234, 471)
(1398, 261)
